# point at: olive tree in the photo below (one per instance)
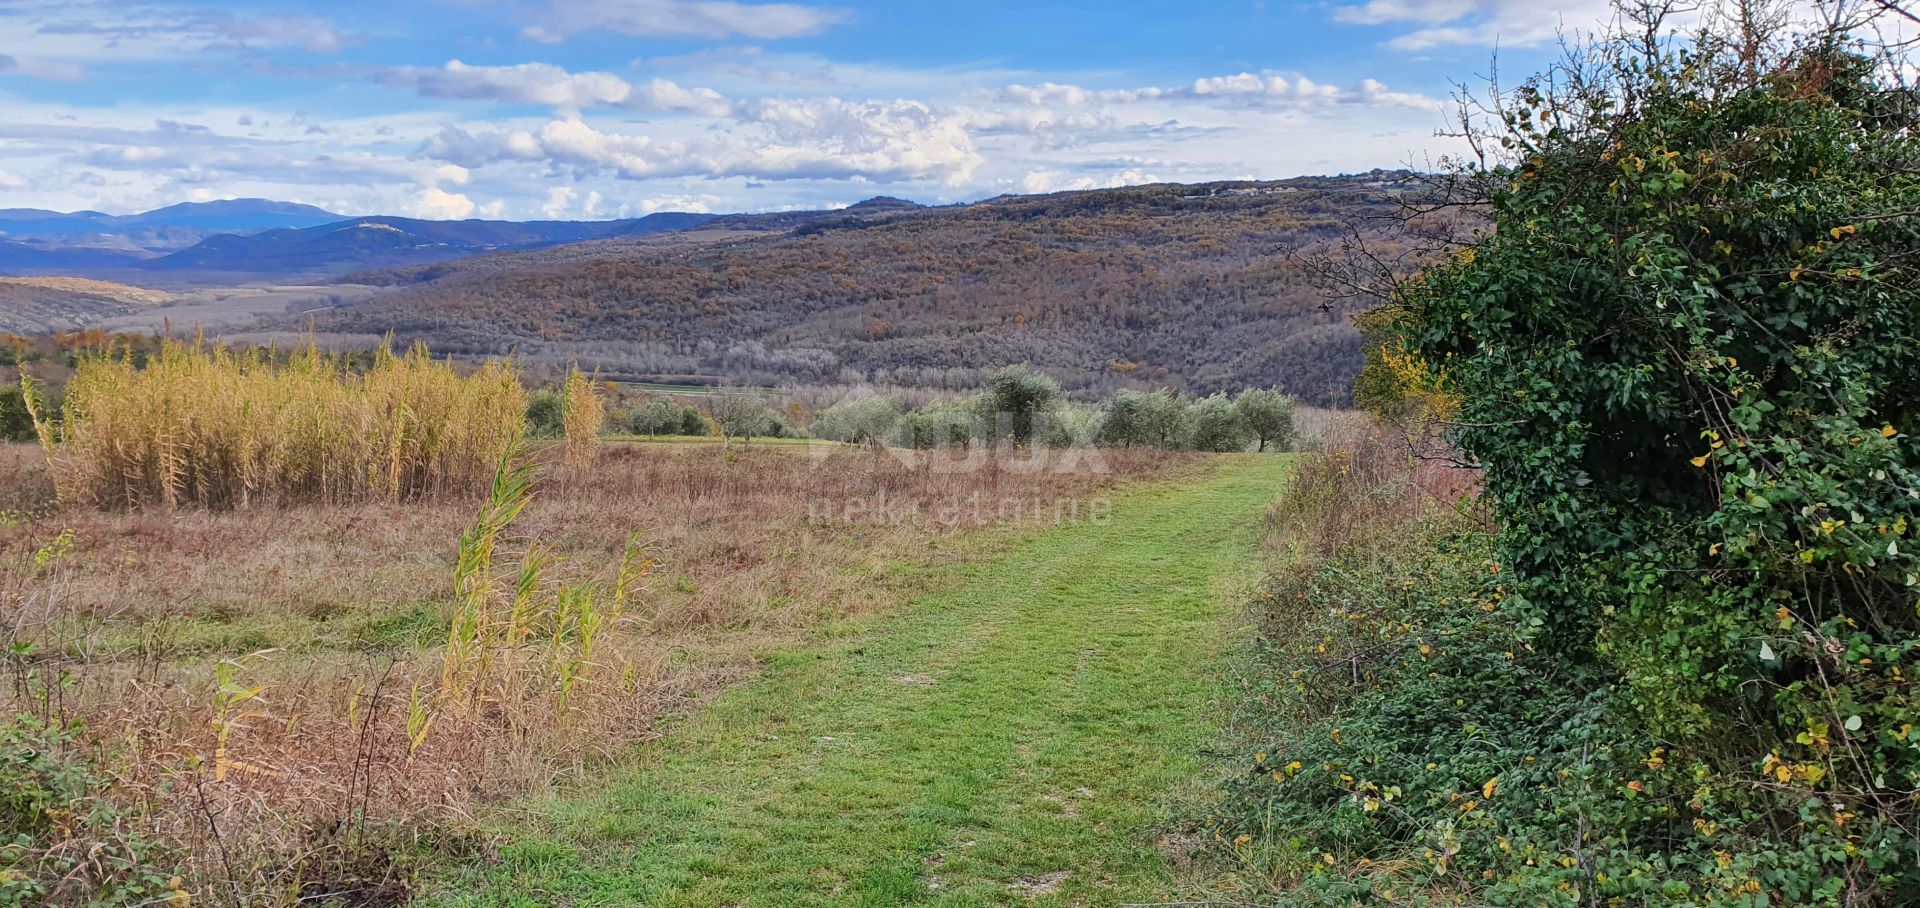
(861, 421)
(1019, 395)
(1268, 414)
(1214, 424)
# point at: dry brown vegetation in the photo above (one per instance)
(217, 427)
(263, 688)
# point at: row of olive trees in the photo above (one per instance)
(1026, 407)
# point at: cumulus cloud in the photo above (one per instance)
(1040, 181)
(559, 201)
(545, 83)
(683, 19)
(696, 204)
(439, 204)
(776, 139)
(1264, 90)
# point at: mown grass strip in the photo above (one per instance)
(1009, 738)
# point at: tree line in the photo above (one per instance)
(1020, 406)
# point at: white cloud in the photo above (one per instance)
(39, 68)
(559, 200)
(9, 181)
(439, 204)
(545, 83)
(1476, 23)
(683, 19)
(1266, 90)
(777, 139)
(661, 94)
(314, 34)
(1040, 181)
(536, 83)
(696, 204)
(73, 31)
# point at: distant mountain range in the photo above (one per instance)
(26, 234)
(223, 216)
(253, 239)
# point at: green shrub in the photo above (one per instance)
(861, 421)
(16, 423)
(1214, 424)
(1684, 357)
(60, 842)
(1130, 418)
(546, 414)
(1021, 397)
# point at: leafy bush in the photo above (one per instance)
(1132, 418)
(1680, 672)
(664, 417)
(1214, 424)
(49, 807)
(868, 419)
(1020, 397)
(546, 414)
(16, 424)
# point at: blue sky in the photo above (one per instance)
(607, 108)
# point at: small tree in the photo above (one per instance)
(1268, 414)
(862, 421)
(1019, 395)
(940, 424)
(694, 423)
(1123, 419)
(16, 424)
(658, 417)
(546, 414)
(738, 412)
(1215, 425)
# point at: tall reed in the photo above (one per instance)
(582, 414)
(209, 426)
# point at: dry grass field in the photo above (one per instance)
(261, 691)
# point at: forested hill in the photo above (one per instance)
(1189, 286)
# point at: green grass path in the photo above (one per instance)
(1012, 737)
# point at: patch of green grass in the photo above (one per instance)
(1012, 737)
(420, 626)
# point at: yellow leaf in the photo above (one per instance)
(1487, 790)
(1888, 431)
(1700, 461)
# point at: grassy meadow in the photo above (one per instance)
(273, 698)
